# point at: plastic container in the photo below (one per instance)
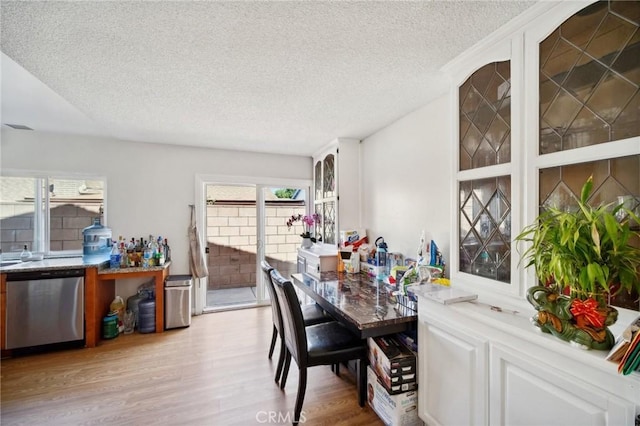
(134, 301)
(118, 307)
(96, 242)
(147, 316)
(110, 326)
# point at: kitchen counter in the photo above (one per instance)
(99, 289)
(50, 264)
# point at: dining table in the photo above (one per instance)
(360, 302)
(364, 304)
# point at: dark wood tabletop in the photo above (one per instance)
(360, 302)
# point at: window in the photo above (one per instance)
(46, 213)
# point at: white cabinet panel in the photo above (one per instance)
(527, 392)
(453, 378)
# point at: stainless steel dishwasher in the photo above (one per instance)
(44, 307)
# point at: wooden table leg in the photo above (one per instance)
(159, 278)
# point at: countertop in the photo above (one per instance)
(358, 298)
(73, 263)
(50, 264)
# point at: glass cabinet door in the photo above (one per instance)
(590, 78)
(484, 209)
(326, 199)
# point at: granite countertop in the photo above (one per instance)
(73, 263)
(362, 299)
(50, 264)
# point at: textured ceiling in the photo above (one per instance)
(284, 77)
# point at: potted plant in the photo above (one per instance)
(581, 258)
(308, 221)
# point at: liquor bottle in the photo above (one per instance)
(123, 254)
(167, 251)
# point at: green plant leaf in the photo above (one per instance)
(612, 227)
(586, 190)
(595, 236)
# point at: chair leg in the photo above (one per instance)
(283, 350)
(273, 341)
(302, 387)
(285, 371)
(337, 369)
(362, 381)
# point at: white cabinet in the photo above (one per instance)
(480, 366)
(318, 259)
(336, 191)
(527, 392)
(453, 381)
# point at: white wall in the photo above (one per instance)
(406, 175)
(149, 186)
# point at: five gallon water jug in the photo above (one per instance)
(147, 316)
(96, 242)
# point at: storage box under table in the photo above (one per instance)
(394, 363)
(393, 410)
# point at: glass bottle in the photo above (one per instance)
(25, 255)
(485, 267)
(167, 251)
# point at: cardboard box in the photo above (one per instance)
(349, 236)
(394, 364)
(393, 410)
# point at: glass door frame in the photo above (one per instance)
(260, 183)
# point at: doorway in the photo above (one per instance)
(244, 224)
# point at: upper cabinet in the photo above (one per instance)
(590, 77)
(336, 189)
(548, 100)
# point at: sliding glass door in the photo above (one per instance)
(243, 224)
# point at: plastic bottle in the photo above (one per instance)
(381, 258)
(96, 245)
(118, 306)
(146, 257)
(114, 259)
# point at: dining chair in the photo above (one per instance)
(328, 343)
(312, 314)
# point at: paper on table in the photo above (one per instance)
(448, 295)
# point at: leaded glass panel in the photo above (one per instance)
(329, 178)
(615, 181)
(485, 117)
(317, 226)
(590, 78)
(485, 227)
(329, 222)
(318, 180)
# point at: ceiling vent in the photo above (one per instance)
(18, 126)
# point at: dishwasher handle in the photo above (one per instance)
(45, 274)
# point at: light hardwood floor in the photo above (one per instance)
(215, 372)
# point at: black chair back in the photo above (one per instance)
(275, 306)
(295, 336)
